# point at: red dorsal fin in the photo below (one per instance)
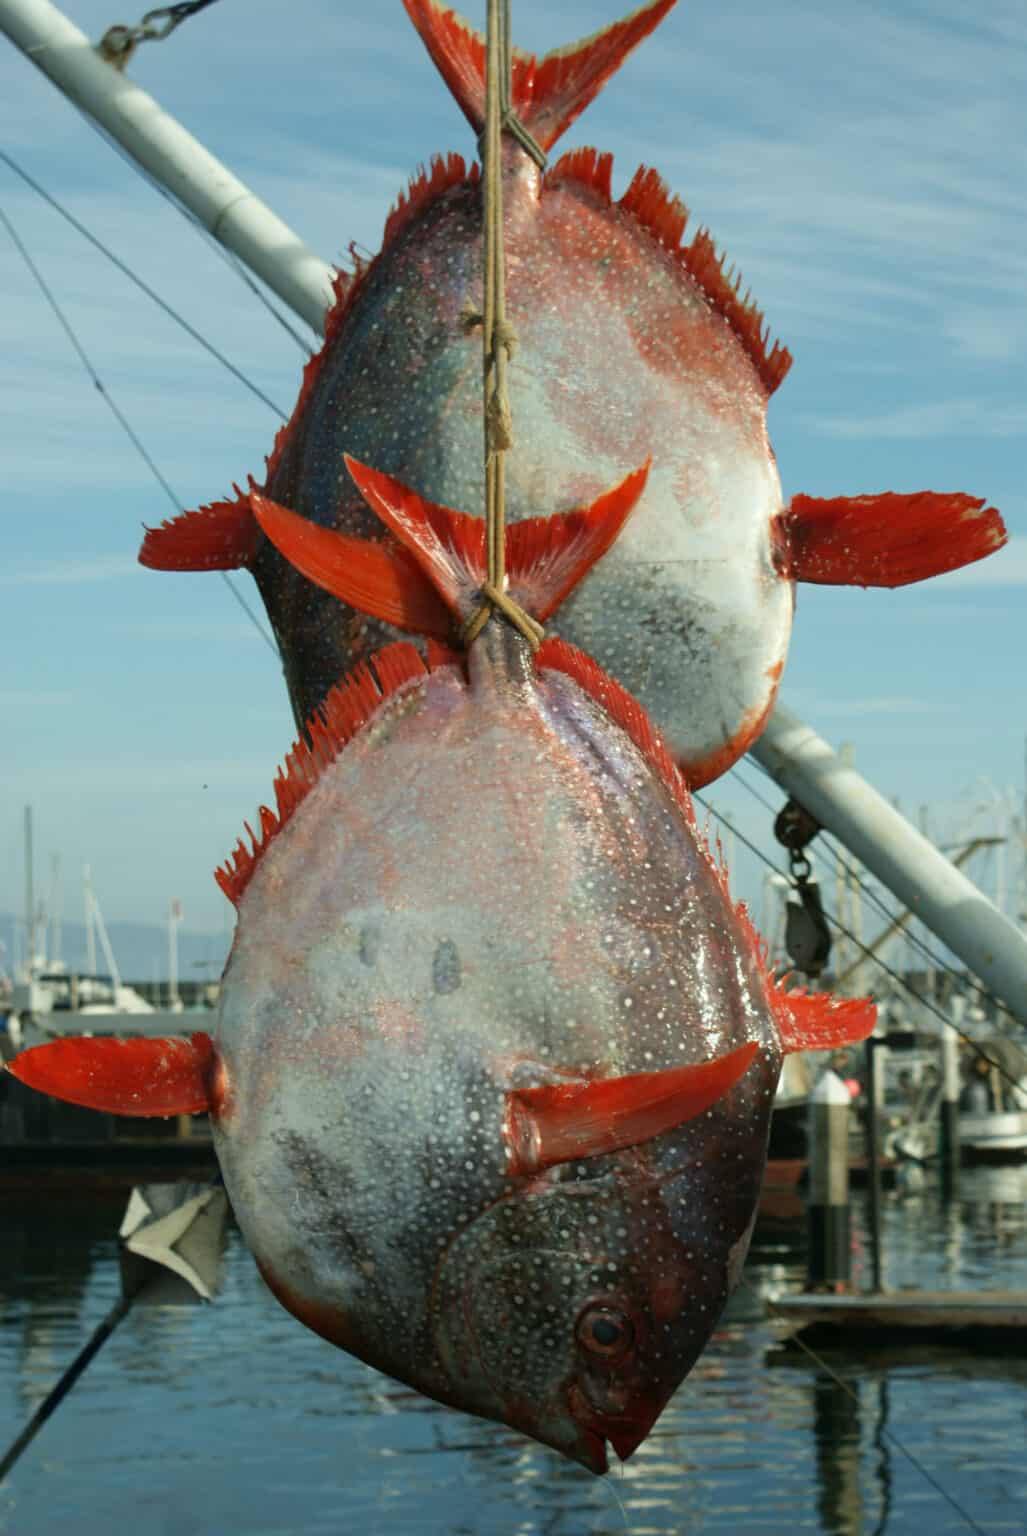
(220, 537)
(123, 1077)
(884, 541)
(549, 93)
(381, 579)
(343, 712)
(439, 564)
(564, 1121)
(817, 1021)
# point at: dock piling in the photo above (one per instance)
(828, 1212)
(950, 1150)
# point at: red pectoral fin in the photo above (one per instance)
(884, 541)
(123, 1077)
(560, 1122)
(816, 1021)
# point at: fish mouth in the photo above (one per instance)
(624, 1433)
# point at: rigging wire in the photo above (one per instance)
(851, 867)
(876, 959)
(115, 409)
(230, 259)
(151, 293)
(882, 1430)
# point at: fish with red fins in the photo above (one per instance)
(634, 342)
(495, 1057)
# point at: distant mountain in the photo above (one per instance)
(140, 949)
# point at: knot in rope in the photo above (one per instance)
(519, 617)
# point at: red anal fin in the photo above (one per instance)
(379, 579)
(546, 557)
(817, 1021)
(886, 540)
(561, 1122)
(665, 216)
(220, 537)
(123, 1077)
(549, 93)
(623, 709)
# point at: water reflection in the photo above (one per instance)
(234, 1418)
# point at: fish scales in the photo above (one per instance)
(593, 936)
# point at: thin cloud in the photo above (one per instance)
(1006, 568)
(68, 572)
(940, 418)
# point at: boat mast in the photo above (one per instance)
(30, 899)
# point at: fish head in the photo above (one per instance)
(572, 1310)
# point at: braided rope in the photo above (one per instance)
(498, 338)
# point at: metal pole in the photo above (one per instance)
(828, 1213)
(227, 208)
(911, 867)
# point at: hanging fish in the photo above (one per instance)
(495, 1057)
(633, 343)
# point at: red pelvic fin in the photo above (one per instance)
(884, 541)
(816, 1021)
(561, 1122)
(221, 537)
(380, 579)
(546, 557)
(344, 711)
(549, 93)
(123, 1077)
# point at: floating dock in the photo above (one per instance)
(914, 1317)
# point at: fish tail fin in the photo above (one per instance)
(884, 541)
(220, 537)
(435, 572)
(548, 93)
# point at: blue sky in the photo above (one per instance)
(863, 164)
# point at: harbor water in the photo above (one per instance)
(231, 1418)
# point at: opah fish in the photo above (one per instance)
(634, 342)
(495, 1057)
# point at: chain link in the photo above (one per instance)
(120, 42)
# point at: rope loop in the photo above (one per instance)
(510, 123)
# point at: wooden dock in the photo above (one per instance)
(963, 1317)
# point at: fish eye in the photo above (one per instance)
(606, 1332)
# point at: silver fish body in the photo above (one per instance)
(491, 888)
